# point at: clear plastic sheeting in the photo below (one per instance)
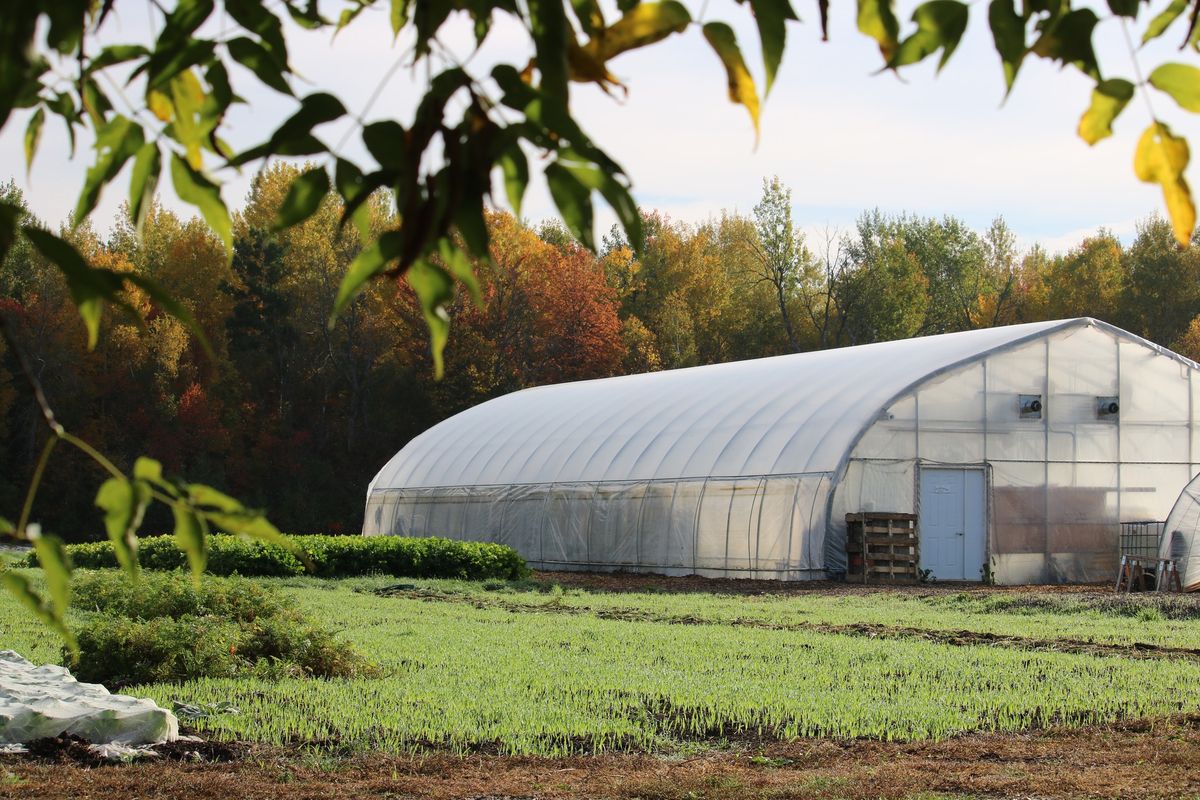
(46, 701)
(1181, 536)
(764, 527)
(749, 469)
(1059, 481)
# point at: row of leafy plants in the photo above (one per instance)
(164, 627)
(322, 556)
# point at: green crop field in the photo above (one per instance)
(525, 668)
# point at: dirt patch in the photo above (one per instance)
(647, 582)
(960, 638)
(71, 749)
(1150, 759)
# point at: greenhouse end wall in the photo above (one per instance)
(747, 527)
(1059, 484)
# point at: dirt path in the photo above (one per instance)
(959, 638)
(1144, 760)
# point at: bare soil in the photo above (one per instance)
(1148, 759)
(643, 582)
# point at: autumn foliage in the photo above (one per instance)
(294, 416)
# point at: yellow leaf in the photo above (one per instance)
(585, 67)
(741, 84)
(1181, 208)
(1109, 98)
(643, 24)
(160, 105)
(1161, 157)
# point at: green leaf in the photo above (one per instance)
(230, 515)
(354, 192)
(1124, 8)
(386, 142)
(641, 25)
(574, 202)
(1161, 158)
(6, 527)
(877, 20)
(89, 287)
(256, 58)
(143, 183)
(741, 85)
(303, 198)
(10, 216)
(190, 538)
(294, 137)
(124, 504)
(197, 190)
(116, 54)
(1069, 41)
(1181, 81)
(21, 588)
(370, 262)
(1109, 98)
(1162, 21)
(150, 471)
(549, 28)
(771, 17)
(56, 569)
(1008, 31)
(33, 135)
(434, 289)
(117, 142)
(940, 25)
(603, 179)
(398, 15)
(459, 265)
(516, 175)
(254, 16)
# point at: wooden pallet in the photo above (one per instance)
(882, 547)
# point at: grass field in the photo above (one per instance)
(535, 669)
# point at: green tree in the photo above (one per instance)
(1162, 287)
(782, 260)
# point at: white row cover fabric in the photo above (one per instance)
(1181, 536)
(46, 701)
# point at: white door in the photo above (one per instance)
(953, 522)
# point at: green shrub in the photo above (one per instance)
(118, 652)
(158, 595)
(328, 557)
(164, 628)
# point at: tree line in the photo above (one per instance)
(293, 415)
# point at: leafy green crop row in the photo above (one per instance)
(325, 556)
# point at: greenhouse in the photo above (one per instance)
(1181, 536)
(1017, 451)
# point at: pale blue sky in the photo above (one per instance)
(844, 138)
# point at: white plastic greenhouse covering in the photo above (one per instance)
(747, 469)
(1181, 536)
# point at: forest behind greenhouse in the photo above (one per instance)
(294, 416)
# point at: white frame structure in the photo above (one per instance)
(748, 469)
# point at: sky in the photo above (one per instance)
(843, 137)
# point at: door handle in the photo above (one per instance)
(959, 533)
